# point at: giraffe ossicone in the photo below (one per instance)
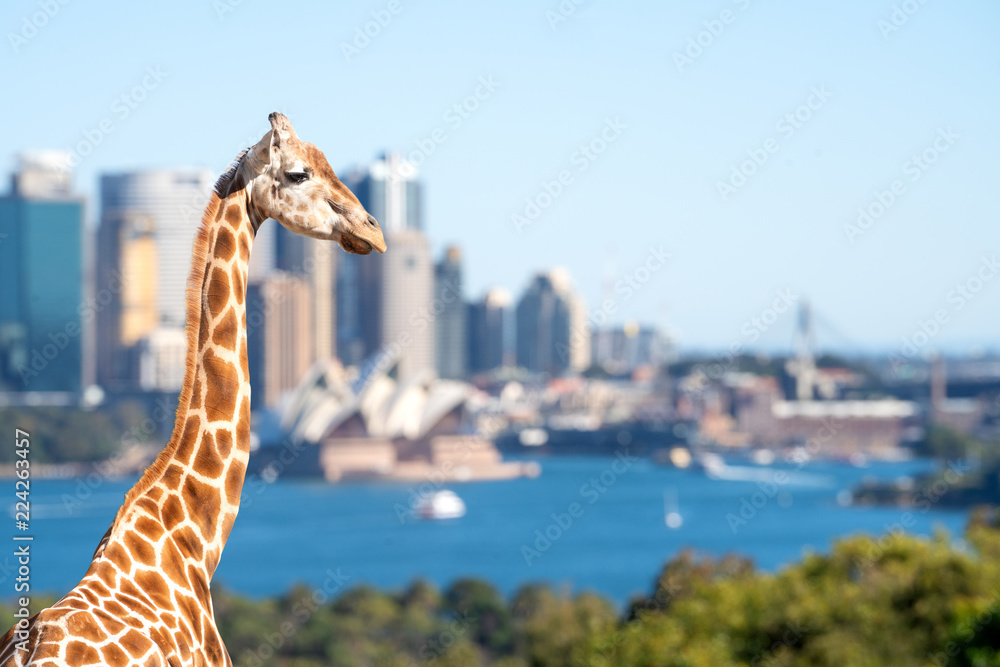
(145, 599)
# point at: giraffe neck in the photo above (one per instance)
(192, 490)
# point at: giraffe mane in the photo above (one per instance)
(195, 283)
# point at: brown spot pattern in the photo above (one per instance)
(154, 587)
(114, 656)
(173, 512)
(243, 427)
(206, 461)
(238, 289)
(225, 331)
(218, 294)
(151, 529)
(224, 442)
(234, 482)
(141, 550)
(204, 501)
(244, 248)
(233, 216)
(196, 394)
(78, 653)
(222, 387)
(189, 438)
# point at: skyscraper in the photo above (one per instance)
(148, 224)
(263, 259)
(488, 331)
(321, 270)
(623, 348)
(450, 316)
(280, 335)
(42, 302)
(172, 201)
(552, 332)
(384, 302)
(388, 188)
(403, 323)
(318, 262)
(352, 345)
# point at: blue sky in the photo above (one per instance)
(679, 129)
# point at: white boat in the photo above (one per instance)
(441, 505)
(671, 512)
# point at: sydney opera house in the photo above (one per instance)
(366, 425)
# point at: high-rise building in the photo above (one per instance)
(622, 349)
(263, 259)
(318, 261)
(138, 258)
(165, 199)
(321, 272)
(289, 249)
(403, 321)
(148, 223)
(43, 310)
(280, 335)
(578, 350)
(389, 190)
(552, 329)
(489, 332)
(384, 302)
(450, 317)
(160, 359)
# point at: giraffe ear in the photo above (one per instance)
(259, 156)
(281, 129)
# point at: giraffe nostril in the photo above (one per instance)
(372, 221)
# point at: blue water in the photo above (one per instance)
(293, 531)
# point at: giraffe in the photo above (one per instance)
(145, 600)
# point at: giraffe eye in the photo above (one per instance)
(297, 176)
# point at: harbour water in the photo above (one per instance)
(585, 524)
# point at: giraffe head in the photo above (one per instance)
(294, 184)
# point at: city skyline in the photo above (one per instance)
(820, 137)
(304, 304)
(769, 331)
